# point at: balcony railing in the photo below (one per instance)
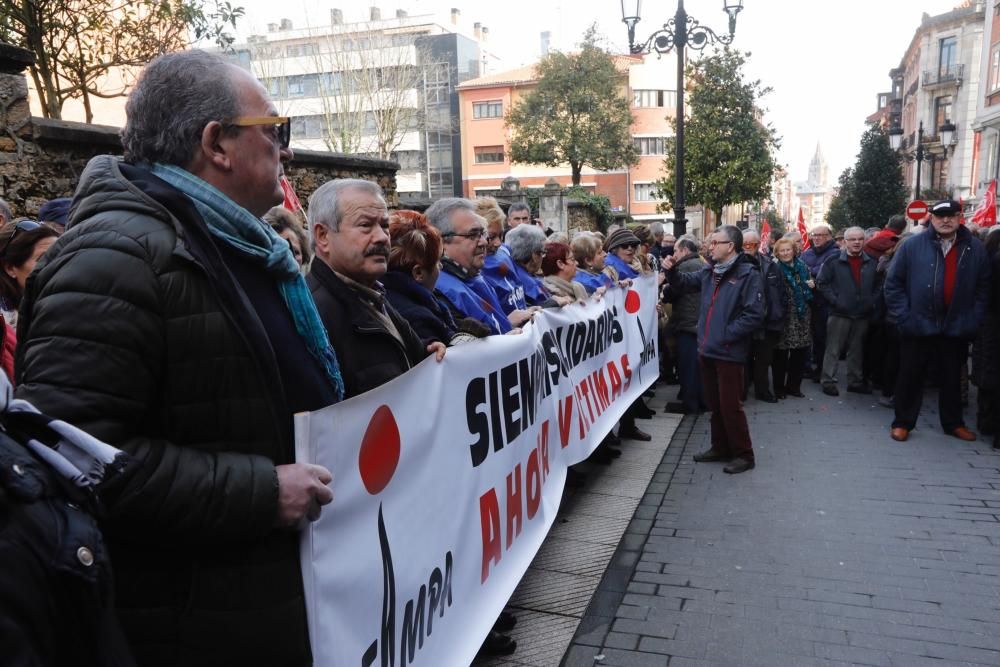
(953, 74)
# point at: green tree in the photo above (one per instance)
(729, 151)
(77, 43)
(841, 213)
(577, 114)
(774, 220)
(873, 189)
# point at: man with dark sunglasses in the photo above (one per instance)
(200, 343)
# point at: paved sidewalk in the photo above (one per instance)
(842, 547)
(555, 591)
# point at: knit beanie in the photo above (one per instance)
(619, 238)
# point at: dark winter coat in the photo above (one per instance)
(369, 355)
(686, 304)
(731, 310)
(914, 288)
(56, 599)
(847, 298)
(132, 329)
(430, 319)
(816, 256)
(772, 291)
(986, 347)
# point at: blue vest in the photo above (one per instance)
(591, 281)
(475, 299)
(499, 273)
(534, 293)
(624, 270)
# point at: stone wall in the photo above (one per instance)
(41, 159)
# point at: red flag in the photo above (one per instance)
(765, 237)
(985, 214)
(802, 231)
(291, 202)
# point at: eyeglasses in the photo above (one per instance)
(282, 126)
(715, 243)
(23, 226)
(629, 246)
(474, 234)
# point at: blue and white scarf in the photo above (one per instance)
(253, 238)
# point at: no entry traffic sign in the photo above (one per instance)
(916, 210)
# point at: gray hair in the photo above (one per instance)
(176, 96)
(524, 241)
(733, 234)
(440, 212)
(6, 215)
(656, 229)
(519, 206)
(748, 233)
(689, 242)
(324, 203)
(855, 230)
(825, 228)
(897, 223)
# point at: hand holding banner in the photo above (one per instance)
(447, 479)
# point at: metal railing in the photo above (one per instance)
(942, 75)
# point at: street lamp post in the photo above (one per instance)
(677, 33)
(947, 131)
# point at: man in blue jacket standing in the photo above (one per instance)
(937, 291)
(731, 311)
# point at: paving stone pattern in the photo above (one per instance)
(841, 548)
(564, 576)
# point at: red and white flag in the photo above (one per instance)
(291, 202)
(802, 230)
(765, 237)
(985, 214)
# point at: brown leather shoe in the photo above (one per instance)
(712, 455)
(900, 434)
(634, 434)
(963, 433)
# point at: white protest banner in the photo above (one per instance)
(447, 479)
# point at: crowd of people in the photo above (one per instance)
(158, 313)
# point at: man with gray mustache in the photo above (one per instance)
(350, 226)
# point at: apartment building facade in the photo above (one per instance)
(986, 124)
(485, 101)
(383, 87)
(938, 82)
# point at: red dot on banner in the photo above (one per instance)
(632, 302)
(379, 453)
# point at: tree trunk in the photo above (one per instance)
(577, 168)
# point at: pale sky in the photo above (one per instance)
(826, 60)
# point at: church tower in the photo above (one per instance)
(818, 177)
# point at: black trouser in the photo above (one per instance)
(761, 358)
(819, 314)
(890, 365)
(789, 366)
(987, 409)
(875, 344)
(688, 373)
(915, 353)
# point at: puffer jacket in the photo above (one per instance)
(132, 329)
(686, 304)
(56, 599)
(732, 309)
(369, 355)
(846, 297)
(914, 287)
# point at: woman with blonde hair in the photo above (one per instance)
(588, 249)
(796, 339)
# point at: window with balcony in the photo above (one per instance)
(654, 98)
(488, 154)
(487, 109)
(644, 191)
(649, 145)
(942, 111)
(948, 60)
